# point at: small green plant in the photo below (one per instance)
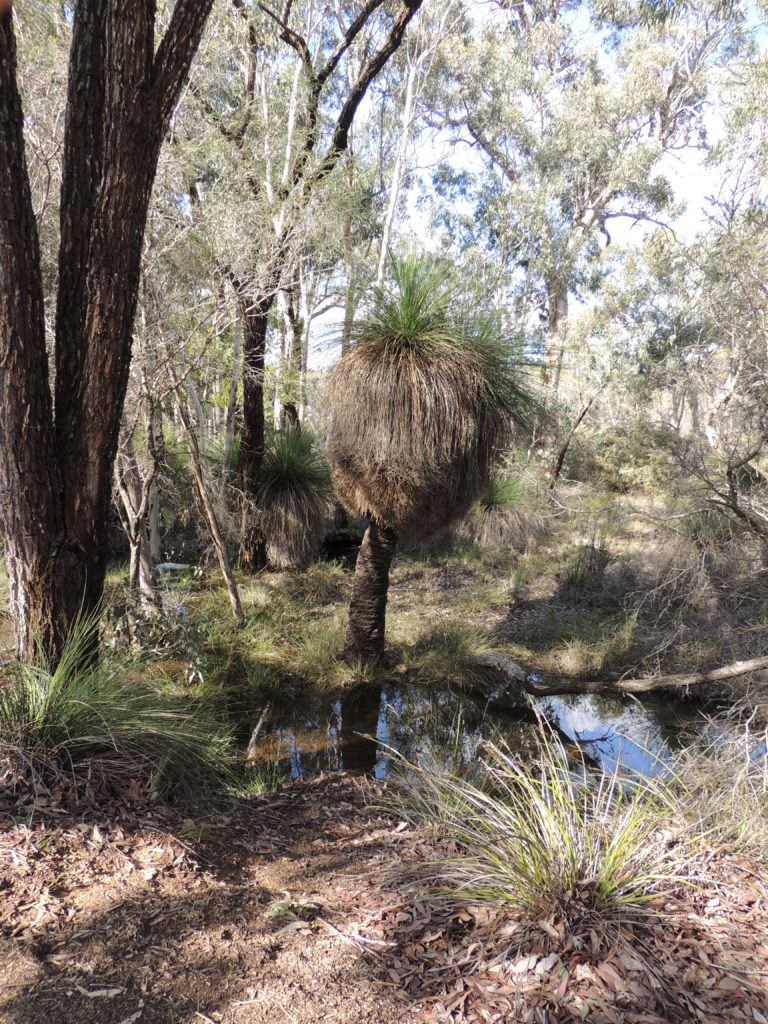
(548, 837)
(79, 719)
(257, 778)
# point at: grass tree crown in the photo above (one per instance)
(422, 401)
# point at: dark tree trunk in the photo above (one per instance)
(30, 487)
(56, 478)
(367, 610)
(255, 315)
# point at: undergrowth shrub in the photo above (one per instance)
(293, 498)
(502, 517)
(548, 837)
(80, 720)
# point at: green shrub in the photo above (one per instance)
(547, 837)
(80, 719)
(500, 517)
(293, 498)
(636, 457)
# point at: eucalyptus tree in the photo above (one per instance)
(420, 404)
(570, 118)
(56, 460)
(282, 109)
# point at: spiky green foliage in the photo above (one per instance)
(501, 493)
(293, 498)
(548, 836)
(499, 517)
(80, 718)
(421, 403)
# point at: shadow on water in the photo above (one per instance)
(365, 729)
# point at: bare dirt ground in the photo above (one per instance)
(289, 909)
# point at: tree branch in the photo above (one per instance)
(174, 54)
(536, 687)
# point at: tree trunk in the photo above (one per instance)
(31, 515)
(205, 503)
(397, 171)
(56, 478)
(255, 314)
(533, 684)
(553, 355)
(134, 495)
(156, 448)
(367, 610)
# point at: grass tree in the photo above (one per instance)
(422, 401)
(293, 498)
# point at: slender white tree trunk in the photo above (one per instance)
(398, 169)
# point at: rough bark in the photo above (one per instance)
(30, 487)
(255, 316)
(56, 477)
(367, 610)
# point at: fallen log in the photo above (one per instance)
(533, 684)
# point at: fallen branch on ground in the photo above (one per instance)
(534, 685)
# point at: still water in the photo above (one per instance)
(361, 730)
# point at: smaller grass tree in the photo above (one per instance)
(421, 403)
(293, 497)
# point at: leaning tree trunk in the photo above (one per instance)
(367, 610)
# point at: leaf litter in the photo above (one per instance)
(292, 908)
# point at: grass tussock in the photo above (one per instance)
(501, 517)
(453, 655)
(320, 584)
(80, 720)
(724, 787)
(547, 837)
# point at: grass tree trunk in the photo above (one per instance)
(367, 611)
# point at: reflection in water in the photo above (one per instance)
(361, 730)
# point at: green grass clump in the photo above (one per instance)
(257, 778)
(547, 837)
(453, 654)
(81, 719)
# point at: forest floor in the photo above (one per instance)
(293, 908)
